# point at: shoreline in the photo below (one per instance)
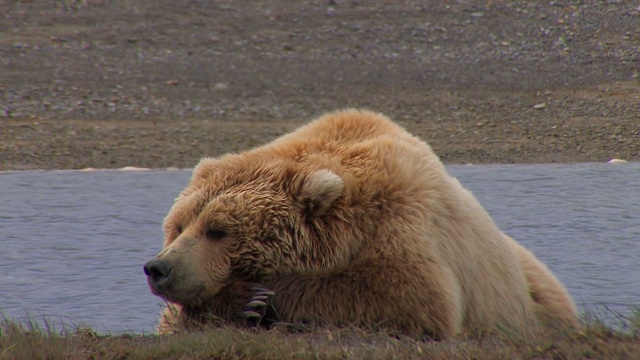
(614, 161)
(48, 144)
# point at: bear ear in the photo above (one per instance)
(320, 190)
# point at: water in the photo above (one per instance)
(73, 243)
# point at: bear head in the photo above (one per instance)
(244, 219)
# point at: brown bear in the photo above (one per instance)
(349, 221)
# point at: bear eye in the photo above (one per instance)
(179, 229)
(216, 234)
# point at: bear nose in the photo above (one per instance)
(157, 271)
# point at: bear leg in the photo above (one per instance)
(413, 297)
(552, 301)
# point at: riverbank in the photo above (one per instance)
(108, 84)
(595, 341)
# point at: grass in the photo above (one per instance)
(596, 340)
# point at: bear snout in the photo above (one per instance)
(158, 272)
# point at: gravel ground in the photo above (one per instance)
(160, 83)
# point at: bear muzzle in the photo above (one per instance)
(158, 275)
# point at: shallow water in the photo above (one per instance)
(73, 243)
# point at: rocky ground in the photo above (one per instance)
(161, 83)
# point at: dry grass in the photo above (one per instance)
(31, 341)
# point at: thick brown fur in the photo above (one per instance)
(350, 221)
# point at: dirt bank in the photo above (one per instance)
(159, 83)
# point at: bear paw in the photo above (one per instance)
(259, 311)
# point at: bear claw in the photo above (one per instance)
(252, 315)
(256, 304)
(259, 311)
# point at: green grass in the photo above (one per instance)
(596, 340)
